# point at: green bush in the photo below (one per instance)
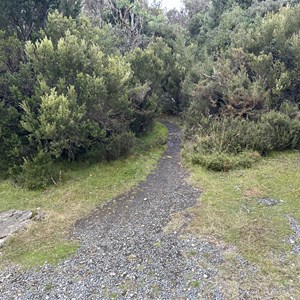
(284, 131)
(230, 135)
(38, 172)
(222, 144)
(120, 145)
(224, 161)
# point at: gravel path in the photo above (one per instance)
(125, 253)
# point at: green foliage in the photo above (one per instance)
(59, 126)
(10, 143)
(85, 97)
(223, 162)
(225, 87)
(74, 87)
(25, 18)
(240, 93)
(224, 143)
(38, 172)
(71, 92)
(284, 131)
(155, 136)
(120, 145)
(147, 67)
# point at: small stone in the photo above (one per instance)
(268, 201)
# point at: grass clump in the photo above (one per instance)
(224, 161)
(83, 187)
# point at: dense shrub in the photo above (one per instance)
(120, 145)
(38, 172)
(224, 143)
(284, 132)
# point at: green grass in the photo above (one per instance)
(87, 186)
(229, 212)
(157, 137)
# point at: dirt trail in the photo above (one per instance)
(125, 253)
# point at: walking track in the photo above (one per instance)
(125, 252)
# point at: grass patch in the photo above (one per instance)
(229, 211)
(86, 187)
(158, 136)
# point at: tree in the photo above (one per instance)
(26, 17)
(129, 16)
(193, 7)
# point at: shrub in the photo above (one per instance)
(230, 135)
(284, 131)
(120, 145)
(224, 143)
(38, 172)
(11, 148)
(225, 162)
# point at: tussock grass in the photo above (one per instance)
(86, 187)
(229, 212)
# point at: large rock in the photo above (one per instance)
(12, 221)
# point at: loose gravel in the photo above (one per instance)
(294, 239)
(125, 253)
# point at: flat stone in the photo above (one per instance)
(12, 221)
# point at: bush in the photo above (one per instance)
(284, 131)
(226, 143)
(38, 172)
(231, 135)
(120, 145)
(272, 131)
(225, 162)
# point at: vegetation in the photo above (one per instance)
(81, 84)
(83, 187)
(243, 92)
(230, 211)
(89, 78)
(69, 89)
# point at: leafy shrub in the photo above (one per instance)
(96, 153)
(230, 135)
(38, 172)
(284, 131)
(120, 145)
(10, 142)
